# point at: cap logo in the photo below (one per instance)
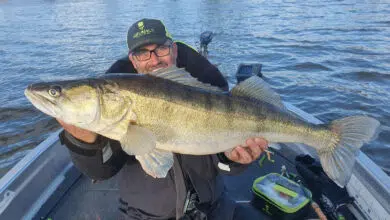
(142, 31)
(141, 25)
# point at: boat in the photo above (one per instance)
(46, 185)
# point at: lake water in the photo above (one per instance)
(330, 58)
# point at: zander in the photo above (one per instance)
(169, 111)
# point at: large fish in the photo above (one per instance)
(155, 115)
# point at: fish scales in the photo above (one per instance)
(205, 114)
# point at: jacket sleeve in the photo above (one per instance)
(100, 160)
(226, 166)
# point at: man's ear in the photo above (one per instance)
(132, 60)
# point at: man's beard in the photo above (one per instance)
(157, 67)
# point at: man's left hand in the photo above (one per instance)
(247, 154)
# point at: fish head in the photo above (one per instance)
(75, 101)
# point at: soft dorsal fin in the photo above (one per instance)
(256, 88)
(180, 75)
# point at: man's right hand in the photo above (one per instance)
(79, 133)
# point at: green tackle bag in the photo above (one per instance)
(280, 198)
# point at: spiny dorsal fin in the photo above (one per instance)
(256, 88)
(180, 75)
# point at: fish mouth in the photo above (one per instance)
(41, 102)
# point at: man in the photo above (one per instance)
(193, 188)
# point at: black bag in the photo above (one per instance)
(194, 214)
(331, 198)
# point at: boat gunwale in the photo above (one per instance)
(28, 159)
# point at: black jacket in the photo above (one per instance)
(142, 196)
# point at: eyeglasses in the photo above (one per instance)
(160, 51)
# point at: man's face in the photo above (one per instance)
(163, 56)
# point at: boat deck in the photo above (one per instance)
(87, 200)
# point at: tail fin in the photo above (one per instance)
(353, 132)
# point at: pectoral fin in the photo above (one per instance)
(157, 163)
(138, 140)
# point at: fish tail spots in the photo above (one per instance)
(156, 163)
(338, 158)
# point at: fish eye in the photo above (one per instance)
(55, 91)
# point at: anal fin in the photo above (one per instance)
(156, 163)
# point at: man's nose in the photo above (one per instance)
(153, 58)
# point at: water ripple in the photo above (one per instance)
(308, 66)
(365, 76)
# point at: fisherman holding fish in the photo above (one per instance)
(171, 133)
(193, 187)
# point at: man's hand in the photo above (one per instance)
(248, 154)
(79, 133)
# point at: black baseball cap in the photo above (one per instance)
(147, 31)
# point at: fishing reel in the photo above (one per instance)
(205, 38)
